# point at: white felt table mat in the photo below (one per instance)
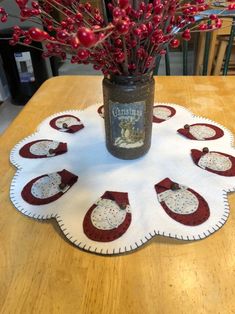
(98, 171)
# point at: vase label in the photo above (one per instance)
(127, 123)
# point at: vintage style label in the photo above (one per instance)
(127, 123)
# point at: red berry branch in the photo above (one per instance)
(128, 43)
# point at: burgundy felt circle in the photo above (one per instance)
(99, 235)
(67, 178)
(25, 150)
(71, 129)
(186, 132)
(197, 154)
(198, 217)
(172, 113)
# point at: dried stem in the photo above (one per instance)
(56, 7)
(26, 45)
(28, 19)
(125, 65)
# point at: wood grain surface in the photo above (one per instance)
(40, 272)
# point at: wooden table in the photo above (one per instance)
(42, 273)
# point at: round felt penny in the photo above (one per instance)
(205, 150)
(51, 151)
(62, 186)
(175, 186)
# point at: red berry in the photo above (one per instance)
(21, 3)
(97, 67)
(118, 43)
(132, 67)
(186, 11)
(27, 41)
(218, 23)
(158, 8)
(202, 27)
(62, 34)
(157, 19)
(141, 53)
(213, 16)
(4, 18)
(50, 28)
(137, 32)
(88, 6)
(174, 43)
(123, 4)
(37, 34)
(186, 35)
(201, 8)
(143, 28)
(133, 43)
(35, 12)
(78, 16)
(117, 12)
(162, 52)
(25, 12)
(110, 7)
(86, 37)
(122, 27)
(35, 5)
(49, 46)
(149, 26)
(17, 30)
(74, 42)
(12, 42)
(100, 36)
(120, 57)
(64, 24)
(15, 37)
(231, 6)
(83, 54)
(169, 28)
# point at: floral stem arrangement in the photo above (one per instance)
(124, 37)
